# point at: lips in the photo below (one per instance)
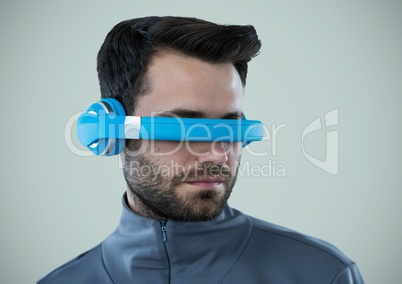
(206, 182)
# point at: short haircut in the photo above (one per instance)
(125, 54)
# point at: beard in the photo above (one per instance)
(163, 191)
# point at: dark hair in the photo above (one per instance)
(124, 56)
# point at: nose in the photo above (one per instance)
(216, 153)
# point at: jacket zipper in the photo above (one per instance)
(164, 238)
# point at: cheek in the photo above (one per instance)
(170, 151)
(236, 149)
(234, 153)
(164, 147)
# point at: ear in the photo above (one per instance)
(104, 116)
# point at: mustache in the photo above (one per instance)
(206, 171)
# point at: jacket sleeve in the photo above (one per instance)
(348, 275)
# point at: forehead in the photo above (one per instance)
(178, 82)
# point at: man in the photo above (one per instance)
(176, 226)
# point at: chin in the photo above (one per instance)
(205, 206)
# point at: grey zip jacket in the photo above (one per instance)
(233, 248)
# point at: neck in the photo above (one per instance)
(140, 208)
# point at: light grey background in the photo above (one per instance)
(316, 56)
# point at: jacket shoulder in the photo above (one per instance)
(86, 268)
(298, 241)
(285, 252)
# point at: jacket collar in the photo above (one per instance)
(136, 250)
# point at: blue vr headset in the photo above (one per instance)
(104, 128)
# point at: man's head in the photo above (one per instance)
(124, 57)
(182, 67)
